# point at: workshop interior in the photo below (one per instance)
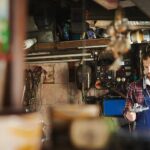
(65, 70)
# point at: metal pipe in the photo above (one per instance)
(94, 46)
(60, 61)
(59, 56)
(39, 53)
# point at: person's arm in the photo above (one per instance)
(130, 116)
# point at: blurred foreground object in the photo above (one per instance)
(117, 30)
(125, 141)
(119, 42)
(80, 127)
(20, 131)
(4, 44)
(92, 134)
(4, 25)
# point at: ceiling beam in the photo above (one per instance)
(126, 3)
(114, 3)
(108, 4)
(143, 5)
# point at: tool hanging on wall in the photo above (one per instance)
(32, 99)
(84, 78)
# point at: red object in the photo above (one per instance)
(6, 57)
(98, 84)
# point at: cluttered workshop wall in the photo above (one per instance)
(48, 84)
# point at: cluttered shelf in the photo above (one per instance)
(72, 44)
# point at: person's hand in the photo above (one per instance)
(131, 116)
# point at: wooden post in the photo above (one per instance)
(15, 70)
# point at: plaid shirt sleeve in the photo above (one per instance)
(134, 95)
(130, 97)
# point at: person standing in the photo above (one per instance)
(137, 108)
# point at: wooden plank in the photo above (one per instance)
(71, 44)
(40, 46)
(82, 43)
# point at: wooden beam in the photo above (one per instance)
(108, 4)
(71, 44)
(40, 46)
(114, 3)
(82, 43)
(126, 3)
(143, 5)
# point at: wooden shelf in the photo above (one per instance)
(71, 44)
